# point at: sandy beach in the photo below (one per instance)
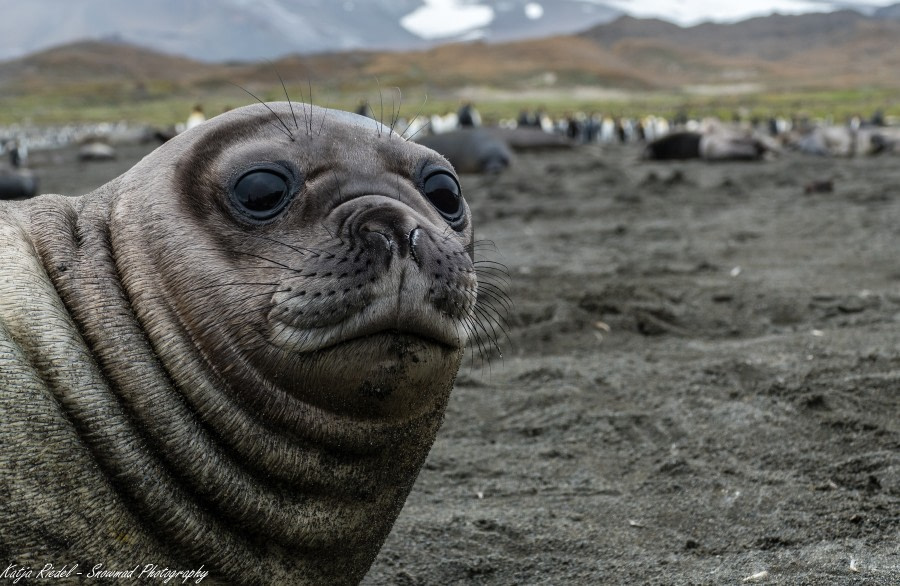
(701, 382)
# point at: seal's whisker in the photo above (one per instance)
(490, 267)
(262, 258)
(290, 104)
(492, 273)
(287, 97)
(481, 339)
(295, 338)
(494, 292)
(322, 124)
(478, 350)
(381, 99)
(496, 308)
(395, 116)
(494, 264)
(286, 130)
(250, 254)
(421, 128)
(297, 249)
(493, 319)
(289, 299)
(448, 233)
(491, 280)
(479, 255)
(222, 285)
(306, 122)
(492, 304)
(477, 244)
(309, 87)
(495, 337)
(483, 261)
(413, 121)
(475, 338)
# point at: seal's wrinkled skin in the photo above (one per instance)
(183, 383)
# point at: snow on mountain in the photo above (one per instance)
(446, 18)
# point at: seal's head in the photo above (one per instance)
(306, 278)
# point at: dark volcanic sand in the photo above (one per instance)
(740, 416)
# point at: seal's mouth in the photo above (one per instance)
(428, 329)
(394, 336)
(420, 322)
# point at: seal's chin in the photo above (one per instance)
(385, 374)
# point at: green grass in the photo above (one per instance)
(164, 104)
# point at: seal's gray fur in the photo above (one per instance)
(471, 150)
(182, 387)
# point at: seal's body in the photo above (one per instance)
(716, 145)
(675, 146)
(530, 139)
(471, 150)
(17, 183)
(235, 355)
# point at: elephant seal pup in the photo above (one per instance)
(236, 355)
(529, 139)
(719, 145)
(17, 183)
(725, 146)
(471, 150)
(674, 147)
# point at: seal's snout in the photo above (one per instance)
(386, 232)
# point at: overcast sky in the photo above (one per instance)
(688, 12)
(441, 18)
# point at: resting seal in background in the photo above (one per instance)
(235, 355)
(529, 139)
(471, 150)
(17, 183)
(712, 146)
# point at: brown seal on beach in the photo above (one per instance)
(236, 355)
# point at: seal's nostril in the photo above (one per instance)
(384, 228)
(413, 237)
(377, 237)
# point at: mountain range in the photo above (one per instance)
(842, 50)
(250, 30)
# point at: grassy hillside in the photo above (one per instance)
(836, 64)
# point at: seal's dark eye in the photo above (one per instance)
(261, 193)
(444, 193)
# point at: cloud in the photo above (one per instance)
(690, 12)
(446, 18)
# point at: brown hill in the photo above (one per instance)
(836, 51)
(770, 38)
(572, 60)
(95, 61)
